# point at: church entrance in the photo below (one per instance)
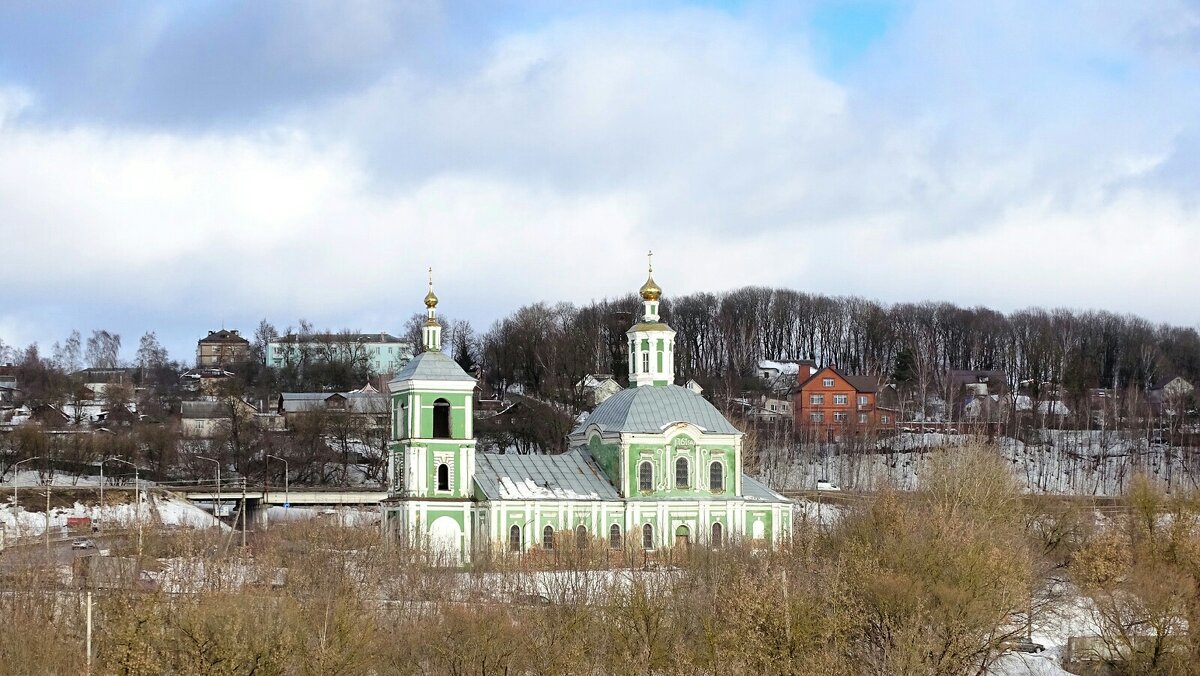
(681, 536)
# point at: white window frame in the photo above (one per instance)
(687, 473)
(650, 466)
(840, 399)
(827, 382)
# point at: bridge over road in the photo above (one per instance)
(258, 498)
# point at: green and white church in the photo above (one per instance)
(655, 463)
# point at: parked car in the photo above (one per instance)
(1025, 647)
(83, 544)
(827, 485)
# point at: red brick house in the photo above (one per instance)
(829, 404)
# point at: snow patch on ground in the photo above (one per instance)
(155, 511)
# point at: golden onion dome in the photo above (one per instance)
(431, 297)
(650, 290)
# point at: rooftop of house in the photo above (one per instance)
(225, 336)
(865, 384)
(380, 337)
(355, 402)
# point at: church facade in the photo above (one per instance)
(655, 463)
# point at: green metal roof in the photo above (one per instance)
(431, 365)
(652, 409)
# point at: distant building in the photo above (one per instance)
(782, 376)
(382, 352)
(98, 380)
(204, 419)
(9, 391)
(222, 348)
(371, 406)
(206, 380)
(599, 387)
(978, 395)
(830, 404)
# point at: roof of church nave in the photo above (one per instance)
(651, 409)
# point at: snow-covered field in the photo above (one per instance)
(1066, 463)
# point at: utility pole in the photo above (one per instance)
(89, 632)
(48, 518)
(243, 513)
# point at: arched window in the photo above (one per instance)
(645, 477)
(718, 536)
(681, 473)
(647, 537)
(614, 537)
(548, 537)
(716, 477)
(441, 419)
(514, 538)
(581, 537)
(402, 423)
(443, 478)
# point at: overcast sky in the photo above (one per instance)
(182, 166)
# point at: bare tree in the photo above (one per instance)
(103, 350)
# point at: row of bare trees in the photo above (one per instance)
(544, 347)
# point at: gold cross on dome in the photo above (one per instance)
(650, 260)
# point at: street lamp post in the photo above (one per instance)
(217, 506)
(286, 501)
(137, 496)
(14, 469)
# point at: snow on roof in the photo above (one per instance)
(1050, 407)
(570, 476)
(781, 366)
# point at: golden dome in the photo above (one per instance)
(650, 290)
(431, 297)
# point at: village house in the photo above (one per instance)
(829, 404)
(978, 396)
(370, 406)
(598, 387)
(781, 376)
(207, 419)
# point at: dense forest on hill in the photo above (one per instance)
(547, 348)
